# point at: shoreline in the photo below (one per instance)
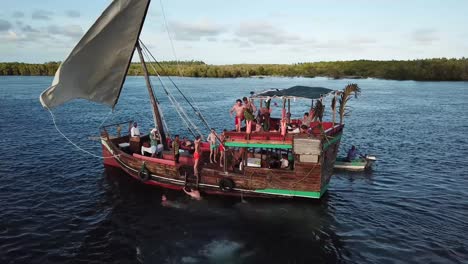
(416, 70)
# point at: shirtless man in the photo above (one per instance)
(211, 138)
(239, 109)
(196, 155)
(222, 137)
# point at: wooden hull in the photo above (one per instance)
(309, 180)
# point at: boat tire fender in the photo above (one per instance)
(226, 184)
(144, 173)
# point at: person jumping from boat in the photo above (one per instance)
(196, 155)
(239, 109)
(211, 138)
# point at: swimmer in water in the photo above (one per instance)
(195, 194)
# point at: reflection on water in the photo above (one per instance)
(60, 205)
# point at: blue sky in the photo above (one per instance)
(228, 32)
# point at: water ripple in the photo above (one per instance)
(59, 205)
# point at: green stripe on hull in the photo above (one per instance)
(330, 142)
(283, 192)
(257, 145)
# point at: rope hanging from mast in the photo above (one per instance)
(180, 111)
(195, 109)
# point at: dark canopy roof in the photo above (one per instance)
(295, 91)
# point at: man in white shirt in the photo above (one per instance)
(135, 131)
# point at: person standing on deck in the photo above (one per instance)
(135, 131)
(221, 148)
(213, 146)
(154, 138)
(239, 109)
(249, 110)
(175, 148)
(196, 155)
(265, 113)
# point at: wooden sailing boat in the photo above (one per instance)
(96, 69)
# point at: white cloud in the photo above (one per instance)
(195, 30)
(18, 14)
(73, 13)
(9, 36)
(425, 35)
(265, 33)
(28, 28)
(42, 15)
(4, 25)
(73, 31)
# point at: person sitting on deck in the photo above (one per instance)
(187, 145)
(352, 154)
(284, 161)
(274, 163)
(304, 129)
(293, 129)
(154, 150)
(175, 148)
(306, 119)
(135, 131)
(212, 137)
(239, 109)
(256, 126)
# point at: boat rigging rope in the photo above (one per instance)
(75, 145)
(196, 109)
(171, 98)
(173, 50)
(183, 115)
(105, 119)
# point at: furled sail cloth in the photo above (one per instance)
(96, 68)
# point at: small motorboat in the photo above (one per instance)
(360, 164)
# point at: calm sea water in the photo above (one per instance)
(59, 205)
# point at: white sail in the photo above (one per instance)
(96, 68)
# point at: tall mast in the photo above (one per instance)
(156, 115)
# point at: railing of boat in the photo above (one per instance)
(107, 130)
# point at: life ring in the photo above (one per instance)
(226, 184)
(144, 173)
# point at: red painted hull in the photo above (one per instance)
(252, 182)
(109, 160)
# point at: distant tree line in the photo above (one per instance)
(424, 70)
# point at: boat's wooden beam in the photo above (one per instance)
(156, 114)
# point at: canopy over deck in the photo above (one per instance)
(294, 92)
